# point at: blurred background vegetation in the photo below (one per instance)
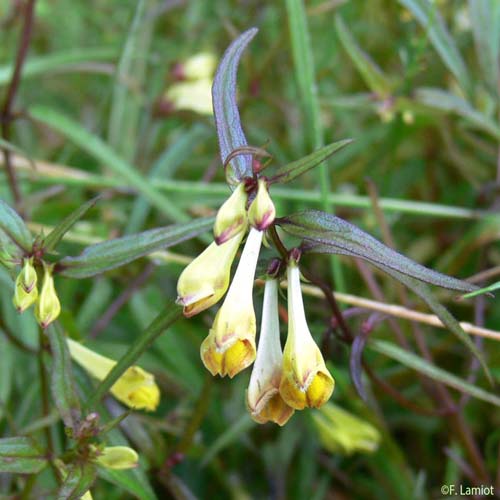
(414, 83)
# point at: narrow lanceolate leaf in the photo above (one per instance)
(373, 76)
(227, 116)
(62, 384)
(101, 257)
(296, 168)
(128, 481)
(14, 227)
(56, 235)
(485, 20)
(330, 234)
(80, 478)
(431, 21)
(21, 455)
(487, 289)
(443, 100)
(432, 371)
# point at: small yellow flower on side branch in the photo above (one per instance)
(230, 345)
(48, 307)
(191, 96)
(136, 388)
(199, 66)
(25, 291)
(264, 400)
(206, 279)
(232, 216)
(342, 432)
(305, 381)
(118, 458)
(262, 212)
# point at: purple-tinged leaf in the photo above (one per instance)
(21, 455)
(326, 233)
(357, 348)
(14, 227)
(227, 116)
(80, 477)
(299, 167)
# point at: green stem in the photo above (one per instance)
(170, 314)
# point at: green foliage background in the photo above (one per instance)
(89, 100)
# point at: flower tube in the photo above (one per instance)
(264, 400)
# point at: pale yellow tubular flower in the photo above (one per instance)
(25, 289)
(136, 388)
(305, 381)
(199, 66)
(193, 95)
(261, 212)
(232, 216)
(206, 279)
(48, 307)
(342, 432)
(263, 397)
(118, 458)
(230, 345)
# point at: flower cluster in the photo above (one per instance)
(47, 305)
(281, 381)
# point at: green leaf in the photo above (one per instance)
(62, 383)
(167, 317)
(373, 76)
(482, 291)
(432, 371)
(79, 479)
(485, 19)
(95, 146)
(429, 18)
(289, 172)
(226, 114)
(449, 103)
(14, 227)
(326, 233)
(110, 254)
(56, 235)
(128, 481)
(21, 455)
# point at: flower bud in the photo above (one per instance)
(136, 388)
(205, 280)
(25, 290)
(232, 216)
(118, 457)
(261, 213)
(341, 432)
(48, 307)
(305, 380)
(263, 398)
(230, 345)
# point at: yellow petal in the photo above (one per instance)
(118, 457)
(48, 307)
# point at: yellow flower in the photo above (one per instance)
(136, 388)
(118, 458)
(199, 66)
(261, 213)
(205, 280)
(341, 432)
(232, 216)
(305, 380)
(48, 307)
(25, 291)
(264, 400)
(193, 95)
(230, 345)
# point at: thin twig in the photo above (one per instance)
(6, 112)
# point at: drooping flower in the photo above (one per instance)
(232, 216)
(264, 400)
(205, 280)
(261, 212)
(230, 345)
(47, 307)
(342, 432)
(305, 381)
(25, 289)
(136, 388)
